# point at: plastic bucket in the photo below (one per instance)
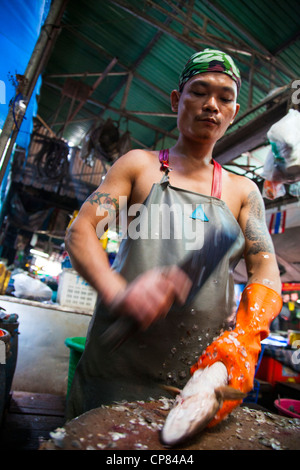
(76, 346)
(288, 407)
(4, 354)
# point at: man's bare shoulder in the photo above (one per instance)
(241, 185)
(136, 159)
(131, 173)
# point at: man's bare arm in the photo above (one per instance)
(86, 252)
(97, 213)
(150, 295)
(256, 230)
(259, 253)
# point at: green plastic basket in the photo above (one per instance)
(76, 345)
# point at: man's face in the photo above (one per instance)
(206, 106)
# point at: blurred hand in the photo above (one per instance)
(151, 295)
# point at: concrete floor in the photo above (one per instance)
(43, 358)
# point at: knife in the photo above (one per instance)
(198, 266)
(202, 262)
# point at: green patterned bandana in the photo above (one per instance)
(210, 60)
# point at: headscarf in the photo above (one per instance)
(210, 60)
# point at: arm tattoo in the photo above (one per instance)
(256, 230)
(105, 201)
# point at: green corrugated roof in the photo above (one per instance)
(153, 39)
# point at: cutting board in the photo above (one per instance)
(136, 426)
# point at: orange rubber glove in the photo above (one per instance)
(239, 349)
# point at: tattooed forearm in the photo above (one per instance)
(104, 200)
(256, 230)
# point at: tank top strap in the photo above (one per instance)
(216, 189)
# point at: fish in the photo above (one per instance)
(197, 403)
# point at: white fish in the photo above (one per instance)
(198, 402)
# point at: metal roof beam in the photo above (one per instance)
(96, 46)
(210, 40)
(261, 48)
(250, 135)
(194, 26)
(269, 99)
(129, 116)
(188, 17)
(219, 11)
(83, 74)
(135, 65)
(92, 89)
(121, 112)
(286, 44)
(264, 56)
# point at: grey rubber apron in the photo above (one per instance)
(169, 225)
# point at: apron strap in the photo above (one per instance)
(164, 160)
(216, 189)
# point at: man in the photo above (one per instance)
(196, 199)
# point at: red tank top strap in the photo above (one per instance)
(216, 189)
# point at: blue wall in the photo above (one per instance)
(20, 25)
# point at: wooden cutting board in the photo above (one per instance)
(136, 426)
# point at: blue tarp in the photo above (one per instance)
(20, 25)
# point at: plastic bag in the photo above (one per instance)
(27, 287)
(273, 190)
(283, 161)
(294, 189)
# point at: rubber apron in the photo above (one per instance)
(165, 352)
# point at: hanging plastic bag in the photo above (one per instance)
(283, 161)
(273, 190)
(294, 189)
